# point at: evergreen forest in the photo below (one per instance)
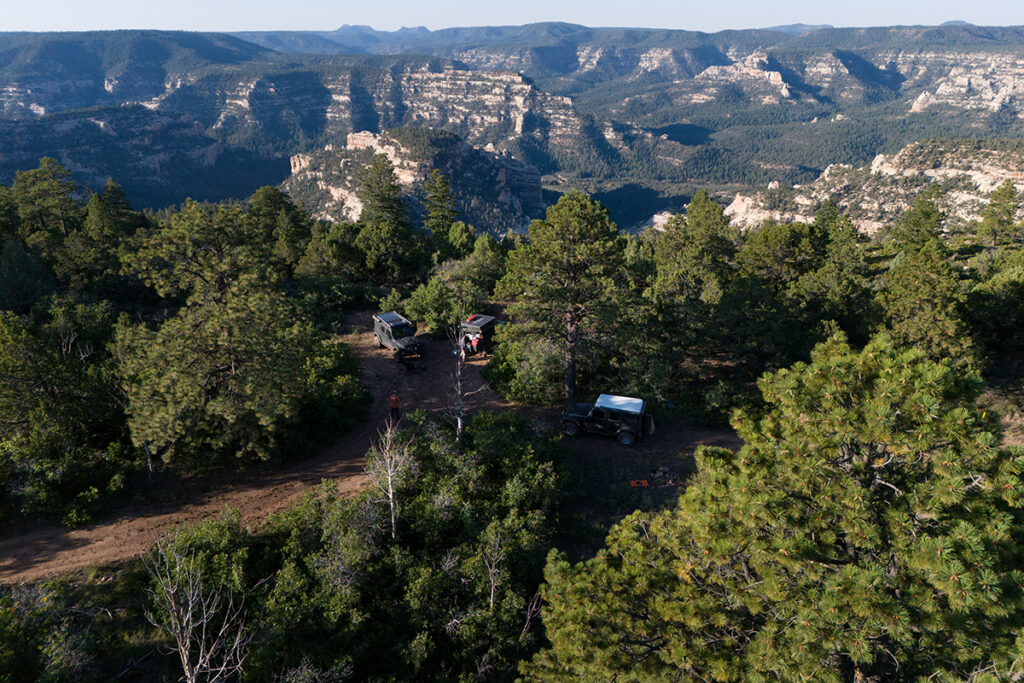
(870, 526)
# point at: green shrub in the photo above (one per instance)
(530, 373)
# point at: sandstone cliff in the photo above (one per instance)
(494, 191)
(876, 195)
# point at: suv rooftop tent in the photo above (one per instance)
(391, 318)
(622, 404)
(478, 321)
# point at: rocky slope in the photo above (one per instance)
(46, 73)
(160, 158)
(876, 195)
(494, 191)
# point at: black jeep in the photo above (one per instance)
(624, 418)
(398, 334)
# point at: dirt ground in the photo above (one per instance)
(609, 469)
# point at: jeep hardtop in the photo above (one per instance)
(623, 417)
(395, 332)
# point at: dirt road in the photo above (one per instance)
(52, 550)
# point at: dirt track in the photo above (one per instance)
(51, 550)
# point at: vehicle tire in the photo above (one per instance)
(376, 340)
(627, 438)
(570, 428)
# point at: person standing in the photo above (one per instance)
(396, 412)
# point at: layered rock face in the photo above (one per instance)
(266, 109)
(965, 80)
(49, 73)
(878, 194)
(330, 102)
(582, 59)
(494, 191)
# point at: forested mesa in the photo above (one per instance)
(868, 528)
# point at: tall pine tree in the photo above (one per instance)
(563, 280)
(997, 218)
(922, 305)
(867, 531)
(385, 234)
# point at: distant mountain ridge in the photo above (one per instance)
(448, 41)
(636, 116)
(798, 29)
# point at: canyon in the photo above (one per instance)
(639, 118)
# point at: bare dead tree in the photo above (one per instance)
(493, 556)
(483, 665)
(207, 625)
(532, 612)
(389, 465)
(457, 387)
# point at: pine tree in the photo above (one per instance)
(461, 239)
(90, 255)
(997, 218)
(202, 253)
(866, 531)
(563, 280)
(280, 222)
(24, 279)
(694, 258)
(694, 255)
(922, 305)
(996, 308)
(8, 214)
(47, 207)
(223, 377)
(840, 288)
(229, 371)
(440, 204)
(385, 234)
(920, 225)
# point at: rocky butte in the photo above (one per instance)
(494, 191)
(877, 194)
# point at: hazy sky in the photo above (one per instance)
(237, 15)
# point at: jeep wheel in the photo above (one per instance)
(627, 438)
(376, 340)
(570, 428)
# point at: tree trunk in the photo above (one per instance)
(460, 360)
(570, 376)
(572, 339)
(394, 514)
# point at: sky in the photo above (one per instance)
(324, 15)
